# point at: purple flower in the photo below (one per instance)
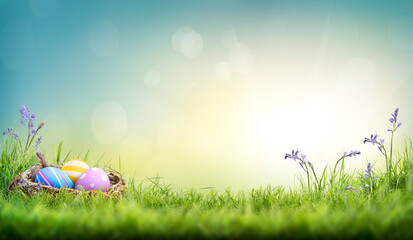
(301, 164)
(351, 154)
(25, 115)
(293, 155)
(381, 144)
(348, 188)
(366, 186)
(393, 121)
(23, 183)
(368, 171)
(11, 133)
(32, 117)
(32, 132)
(38, 141)
(372, 139)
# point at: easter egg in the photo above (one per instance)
(93, 179)
(74, 168)
(51, 176)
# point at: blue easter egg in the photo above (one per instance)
(51, 176)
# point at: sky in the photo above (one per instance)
(209, 93)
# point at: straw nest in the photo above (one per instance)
(25, 182)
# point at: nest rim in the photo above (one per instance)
(23, 181)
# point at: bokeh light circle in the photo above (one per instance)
(229, 39)
(152, 79)
(192, 44)
(240, 58)
(43, 8)
(16, 45)
(104, 38)
(400, 32)
(109, 123)
(178, 36)
(223, 70)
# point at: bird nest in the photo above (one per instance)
(24, 182)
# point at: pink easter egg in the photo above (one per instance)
(93, 179)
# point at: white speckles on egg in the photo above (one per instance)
(83, 176)
(96, 179)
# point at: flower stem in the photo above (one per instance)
(335, 167)
(28, 137)
(316, 180)
(391, 153)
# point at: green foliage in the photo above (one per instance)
(155, 209)
(13, 160)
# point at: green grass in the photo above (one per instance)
(152, 210)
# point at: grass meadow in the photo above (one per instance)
(371, 204)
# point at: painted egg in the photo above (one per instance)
(51, 176)
(93, 179)
(74, 168)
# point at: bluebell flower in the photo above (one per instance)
(352, 153)
(38, 141)
(368, 171)
(372, 139)
(393, 121)
(25, 115)
(32, 132)
(293, 155)
(10, 132)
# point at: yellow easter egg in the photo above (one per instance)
(74, 168)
